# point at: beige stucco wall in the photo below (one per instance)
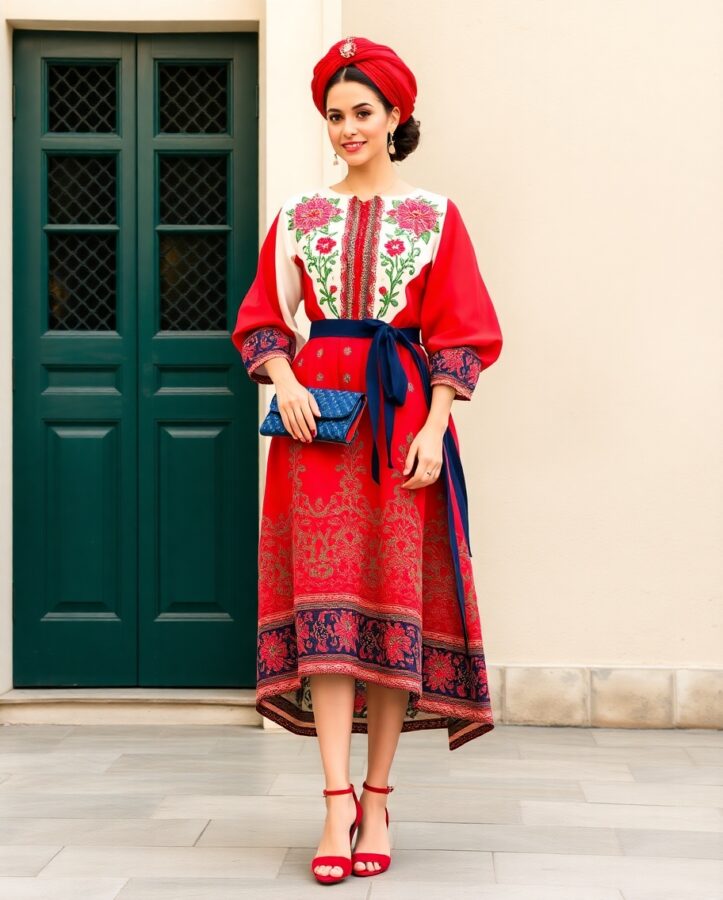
(583, 143)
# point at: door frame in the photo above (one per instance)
(120, 632)
(279, 24)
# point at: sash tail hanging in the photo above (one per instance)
(385, 374)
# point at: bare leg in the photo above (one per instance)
(332, 697)
(385, 714)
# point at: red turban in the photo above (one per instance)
(380, 63)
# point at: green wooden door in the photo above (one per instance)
(135, 435)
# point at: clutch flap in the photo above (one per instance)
(333, 403)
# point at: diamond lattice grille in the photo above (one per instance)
(82, 282)
(81, 189)
(82, 97)
(193, 282)
(193, 98)
(193, 190)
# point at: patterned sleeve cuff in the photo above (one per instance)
(458, 367)
(263, 344)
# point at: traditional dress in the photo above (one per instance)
(358, 575)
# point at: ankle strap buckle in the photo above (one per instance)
(379, 790)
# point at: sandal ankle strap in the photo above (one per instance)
(379, 790)
(349, 790)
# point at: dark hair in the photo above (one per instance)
(406, 134)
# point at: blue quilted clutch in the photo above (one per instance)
(340, 414)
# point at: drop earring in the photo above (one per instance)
(390, 145)
(336, 159)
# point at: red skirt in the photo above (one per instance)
(357, 578)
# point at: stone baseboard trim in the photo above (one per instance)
(129, 706)
(625, 697)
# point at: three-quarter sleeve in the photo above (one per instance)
(459, 325)
(265, 324)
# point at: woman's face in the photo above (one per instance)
(355, 116)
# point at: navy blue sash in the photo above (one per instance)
(384, 369)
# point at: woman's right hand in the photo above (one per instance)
(297, 405)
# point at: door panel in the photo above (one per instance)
(135, 428)
(193, 437)
(75, 363)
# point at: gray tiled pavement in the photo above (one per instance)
(229, 812)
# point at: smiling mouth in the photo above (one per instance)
(354, 145)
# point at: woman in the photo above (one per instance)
(368, 618)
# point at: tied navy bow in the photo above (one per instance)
(385, 376)
(384, 364)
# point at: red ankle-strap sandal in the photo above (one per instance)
(382, 858)
(343, 861)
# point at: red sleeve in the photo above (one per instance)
(459, 325)
(265, 324)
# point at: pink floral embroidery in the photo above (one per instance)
(417, 216)
(325, 244)
(311, 214)
(394, 645)
(302, 630)
(347, 630)
(440, 671)
(396, 642)
(415, 220)
(394, 247)
(272, 650)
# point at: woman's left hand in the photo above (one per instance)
(427, 448)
